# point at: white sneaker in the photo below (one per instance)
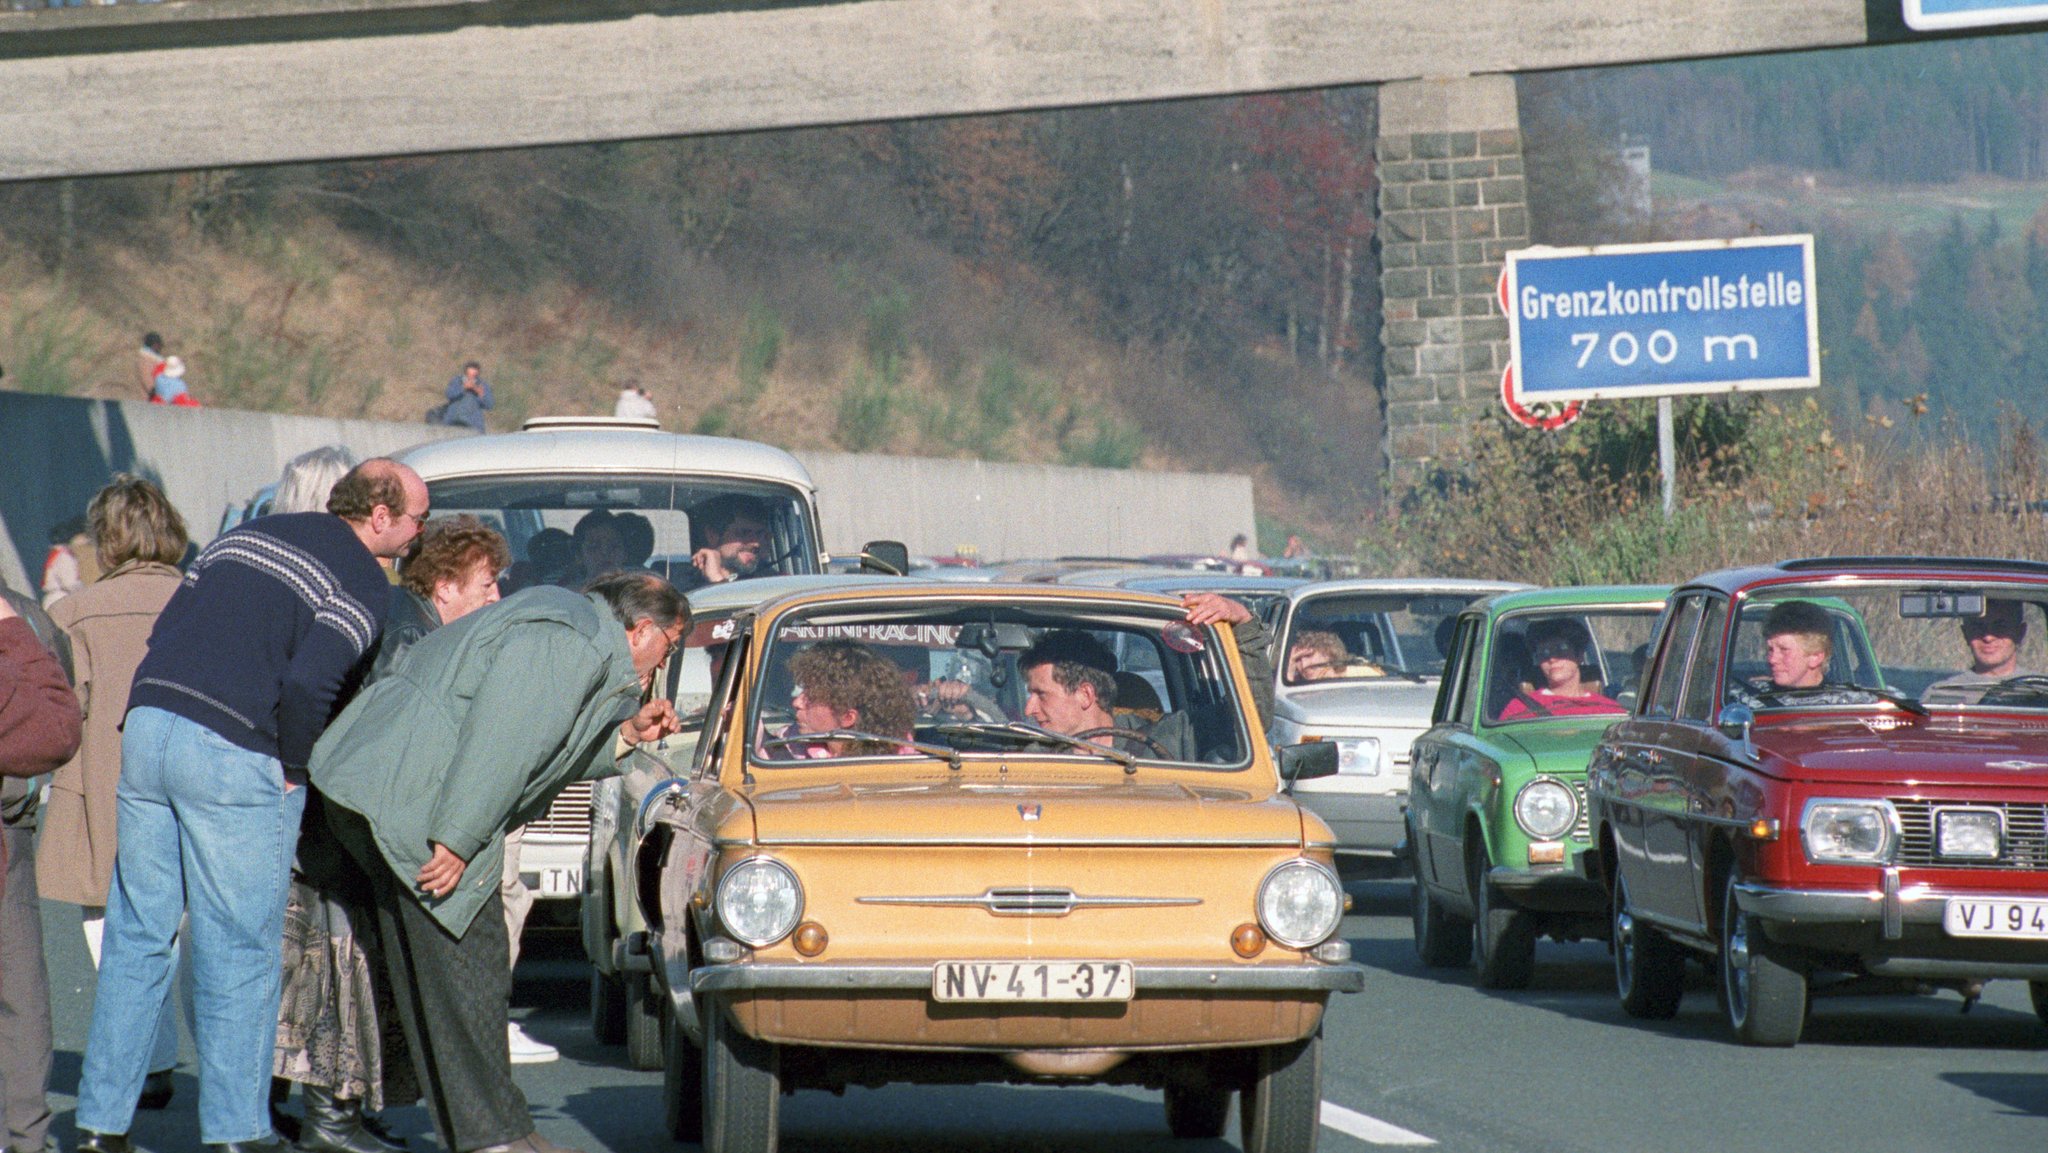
(526, 1050)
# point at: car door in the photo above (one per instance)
(1703, 777)
(1439, 753)
(1651, 837)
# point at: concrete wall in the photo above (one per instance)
(56, 452)
(1015, 511)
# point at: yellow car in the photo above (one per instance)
(978, 833)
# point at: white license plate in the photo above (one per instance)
(561, 882)
(1969, 917)
(1031, 981)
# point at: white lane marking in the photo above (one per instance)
(1370, 1129)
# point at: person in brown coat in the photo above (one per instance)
(141, 537)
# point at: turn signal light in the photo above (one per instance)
(1764, 829)
(811, 938)
(1546, 853)
(1248, 941)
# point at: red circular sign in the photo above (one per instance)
(1545, 415)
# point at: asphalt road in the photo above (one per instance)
(1421, 1057)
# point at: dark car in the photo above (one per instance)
(1836, 777)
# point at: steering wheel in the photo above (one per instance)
(2014, 690)
(1125, 734)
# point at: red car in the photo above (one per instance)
(1835, 778)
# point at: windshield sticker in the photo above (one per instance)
(930, 636)
(1181, 637)
(723, 630)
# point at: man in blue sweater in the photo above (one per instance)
(254, 654)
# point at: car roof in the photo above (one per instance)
(606, 450)
(1731, 580)
(734, 596)
(1172, 580)
(1572, 596)
(885, 589)
(1403, 585)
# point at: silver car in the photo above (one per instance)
(537, 485)
(1372, 652)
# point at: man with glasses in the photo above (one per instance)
(246, 664)
(1994, 640)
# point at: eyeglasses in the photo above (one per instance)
(419, 519)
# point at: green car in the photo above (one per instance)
(1497, 792)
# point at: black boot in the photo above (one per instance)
(334, 1125)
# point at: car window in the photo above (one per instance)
(922, 680)
(1566, 662)
(1669, 680)
(1950, 643)
(1705, 675)
(1372, 635)
(566, 528)
(1465, 658)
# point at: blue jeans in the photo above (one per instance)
(206, 827)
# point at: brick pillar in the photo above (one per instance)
(1452, 205)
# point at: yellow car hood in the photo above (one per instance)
(1064, 807)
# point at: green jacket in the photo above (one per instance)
(476, 730)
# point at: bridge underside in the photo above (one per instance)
(213, 83)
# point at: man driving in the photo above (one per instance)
(1994, 640)
(734, 531)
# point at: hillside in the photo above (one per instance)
(955, 289)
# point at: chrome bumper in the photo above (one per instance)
(1891, 910)
(1344, 977)
(1888, 905)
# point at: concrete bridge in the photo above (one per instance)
(210, 83)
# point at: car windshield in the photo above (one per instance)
(1567, 662)
(1913, 644)
(951, 680)
(1371, 636)
(565, 529)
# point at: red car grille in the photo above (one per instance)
(568, 816)
(2026, 835)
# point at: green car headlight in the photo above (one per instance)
(1546, 809)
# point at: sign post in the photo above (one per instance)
(1660, 320)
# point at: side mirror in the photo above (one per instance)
(1308, 761)
(1735, 722)
(888, 557)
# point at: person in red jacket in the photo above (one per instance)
(39, 718)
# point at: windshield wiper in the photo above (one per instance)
(950, 755)
(1032, 734)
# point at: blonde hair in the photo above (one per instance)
(309, 477)
(132, 520)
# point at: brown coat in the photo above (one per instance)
(108, 622)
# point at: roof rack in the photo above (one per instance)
(1972, 564)
(559, 423)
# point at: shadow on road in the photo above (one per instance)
(2026, 1094)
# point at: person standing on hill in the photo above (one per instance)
(245, 668)
(469, 397)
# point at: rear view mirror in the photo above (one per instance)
(1308, 761)
(888, 557)
(1919, 605)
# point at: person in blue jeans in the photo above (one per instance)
(246, 665)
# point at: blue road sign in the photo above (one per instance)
(1937, 15)
(1627, 320)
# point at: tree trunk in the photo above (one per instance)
(1323, 325)
(1344, 306)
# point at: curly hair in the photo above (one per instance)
(449, 551)
(133, 520)
(844, 675)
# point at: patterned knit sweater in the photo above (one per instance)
(272, 623)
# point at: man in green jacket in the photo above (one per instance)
(475, 731)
